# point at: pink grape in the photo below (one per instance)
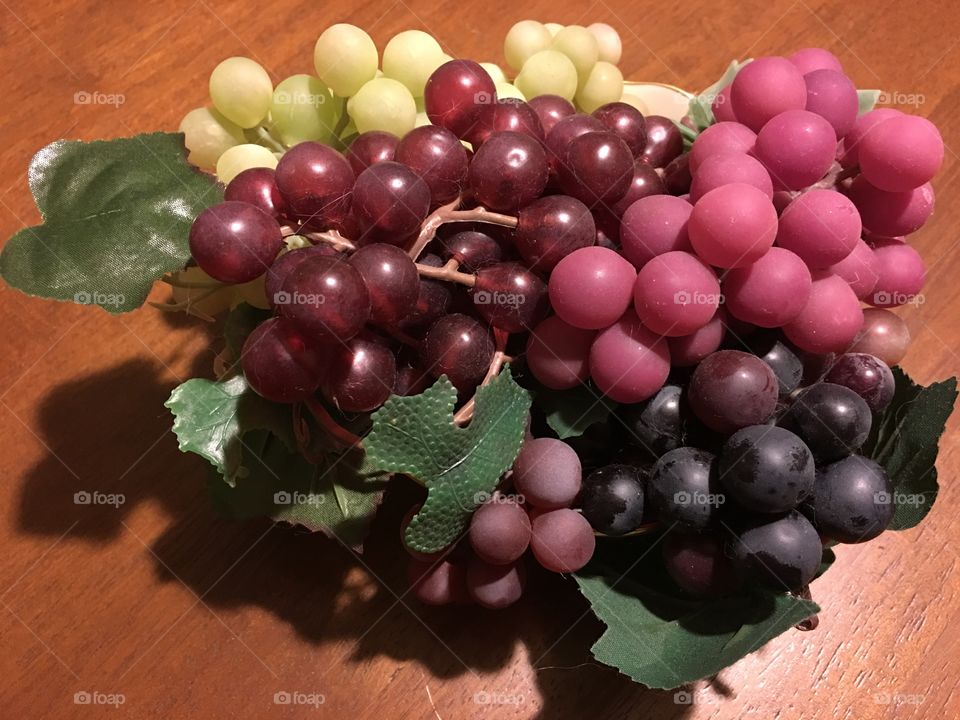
(591, 287)
(508, 171)
(722, 107)
(808, 60)
(234, 241)
(279, 364)
(884, 335)
(496, 586)
(675, 294)
(723, 137)
(832, 96)
(863, 125)
(452, 95)
(438, 582)
(499, 531)
(558, 354)
(690, 349)
(901, 153)
(901, 273)
(729, 167)
(562, 540)
(821, 226)
(830, 320)
(654, 225)
(769, 293)
(547, 473)
(891, 213)
(370, 148)
(860, 269)
(733, 226)
(797, 147)
(361, 376)
(765, 88)
(628, 362)
(551, 109)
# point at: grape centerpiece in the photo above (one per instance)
(613, 329)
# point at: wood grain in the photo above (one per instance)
(188, 615)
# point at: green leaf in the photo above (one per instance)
(332, 497)
(416, 436)
(904, 440)
(570, 412)
(867, 100)
(665, 642)
(701, 105)
(117, 216)
(211, 419)
(241, 321)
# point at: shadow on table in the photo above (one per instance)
(109, 433)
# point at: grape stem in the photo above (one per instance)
(342, 121)
(333, 238)
(465, 414)
(174, 281)
(187, 305)
(811, 622)
(447, 214)
(326, 421)
(265, 138)
(448, 272)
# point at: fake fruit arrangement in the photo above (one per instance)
(645, 347)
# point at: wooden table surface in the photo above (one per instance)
(184, 614)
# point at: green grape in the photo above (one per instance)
(608, 41)
(208, 134)
(411, 57)
(603, 85)
(421, 120)
(554, 28)
(494, 71)
(243, 157)
(345, 58)
(303, 109)
(634, 100)
(506, 90)
(241, 90)
(383, 104)
(525, 39)
(548, 72)
(578, 44)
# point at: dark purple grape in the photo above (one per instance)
(460, 348)
(781, 554)
(500, 531)
(472, 249)
(316, 181)
(564, 132)
(279, 364)
(455, 95)
(627, 122)
(732, 389)
(361, 376)
(436, 155)
(782, 360)
(508, 171)
(258, 186)
(698, 564)
(664, 141)
(551, 109)
(506, 115)
(434, 298)
(551, 228)
(832, 419)
(326, 298)
(853, 500)
(370, 148)
(766, 469)
(676, 175)
(392, 280)
(597, 168)
(391, 201)
(234, 242)
(510, 297)
(284, 265)
(646, 181)
(868, 376)
(683, 488)
(612, 499)
(411, 380)
(656, 425)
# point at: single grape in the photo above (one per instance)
(627, 122)
(765, 88)
(564, 132)
(683, 488)
(547, 473)
(411, 57)
(500, 531)
(495, 586)
(732, 389)
(523, 40)
(234, 242)
(901, 153)
(326, 298)
(597, 168)
(284, 265)
(391, 201)
(608, 42)
(853, 500)
(653, 226)
(509, 296)
(809, 60)
(433, 300)
(781, 554)
(769, 293)
(438, 582)
(303, 109)
(383, 104)
(392, 280)
(460, 348)
(646, 181)
(883, 334)
(766, 469)
(831, 318)
(509, 115)
(580, 45)
(550, 228)
(361, 376)
(208, 135)
(891, 213)
(345, 58)
(508, 171)
(241, 89)
(279, 364)
(628, 362)
(257, 186)
(562, 540)
(456, 94)
(732, 226)
(472, 250)
(697, 563)
(551, 109)
(676, 293)
(602, 85)
(721, 138)
(437, 156)
(901, 274)
(656, 425)
(724, 168)
(612, 499)
(832, 419)
(860, 269)
(664, 141)
(316, 181)
(592, 287)
(868, 376)
(797, 148)
(238, 158)
(558, 354)
(850, 156)
(548, 72)
(688, 350)
(832, 96)
(370, 148)
(495, 72)
(784, 362)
